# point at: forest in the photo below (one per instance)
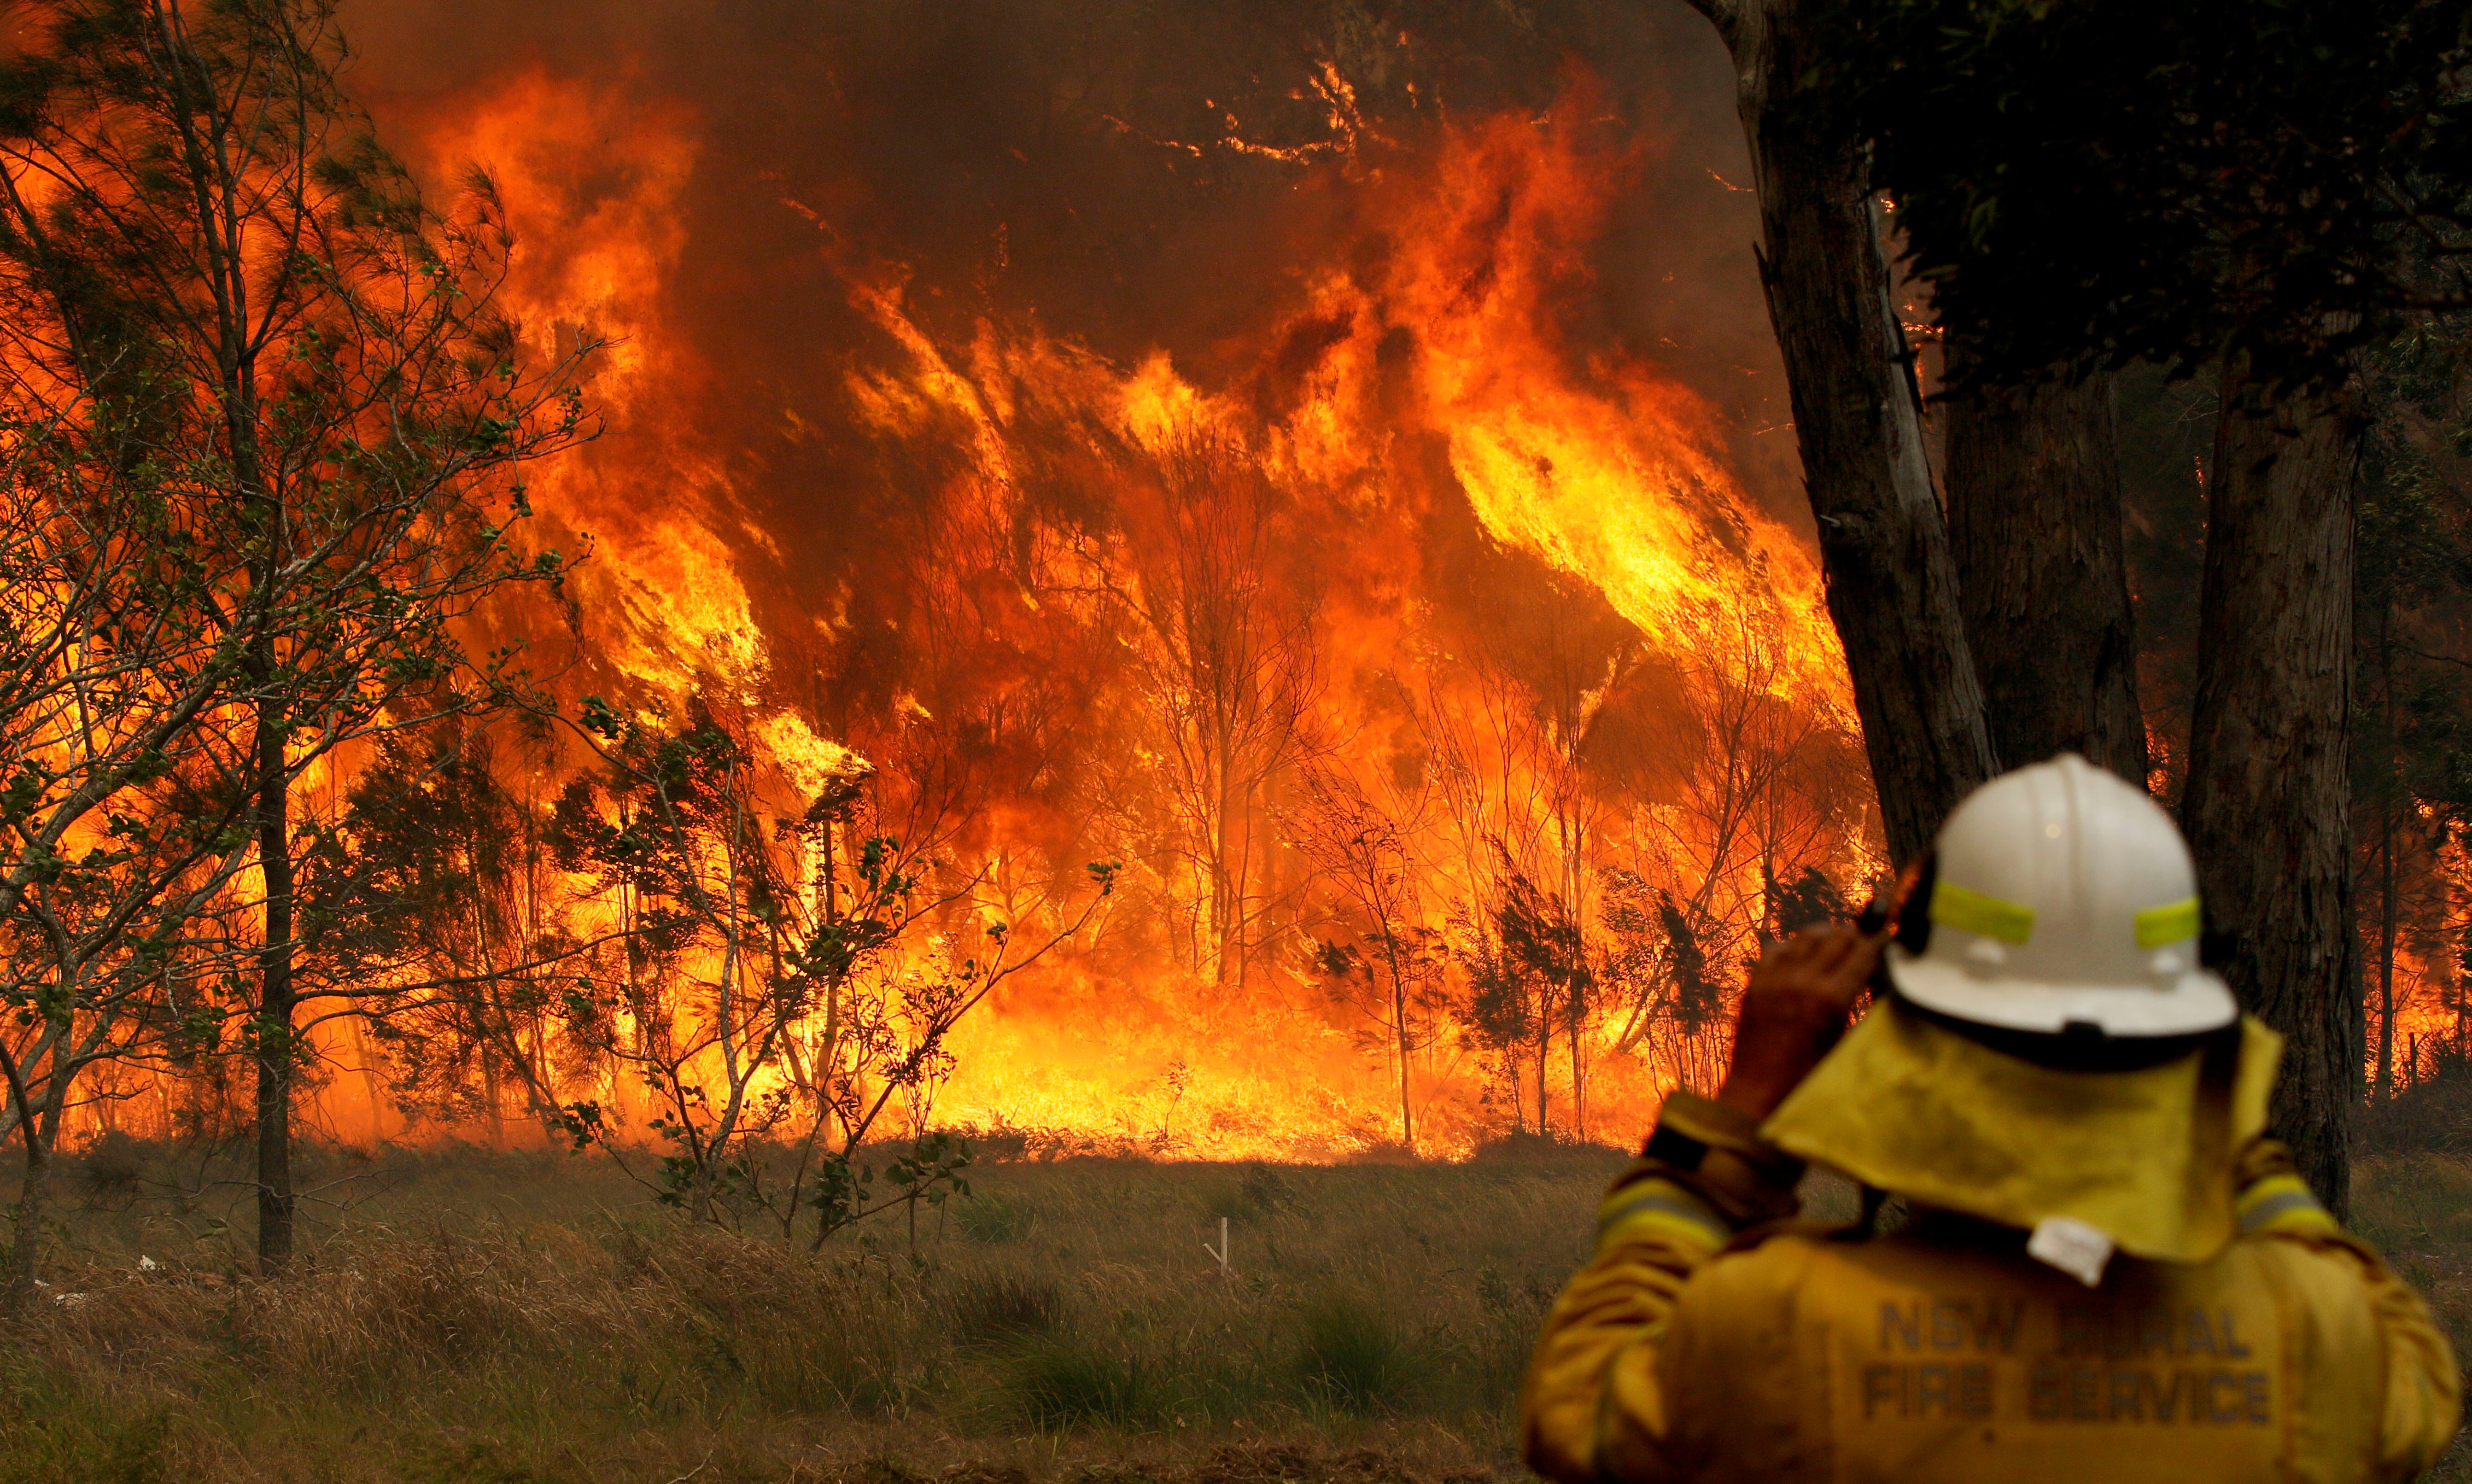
(778, 621)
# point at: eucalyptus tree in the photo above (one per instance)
(1384, 959)
(2412, 718)
(119, 835)
(329, 392)
(1858, 420)
(2250, 191)
(789, 977)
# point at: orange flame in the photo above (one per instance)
(1422, 378)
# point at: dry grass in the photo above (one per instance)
(526, 1318)
(2415, 1205)
(532, 1318)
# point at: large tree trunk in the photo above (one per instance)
(1858, 422)
(2267, 809)
(2034, 520)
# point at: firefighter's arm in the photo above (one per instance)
(2423, 1396)
(2424, 1390)
(1595, 1406)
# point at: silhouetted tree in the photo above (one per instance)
(1892, 587)
(191, 200)
(1229, 671)
(1388, 965)
(2249, 191)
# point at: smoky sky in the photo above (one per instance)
(952, 134)
(1068, 164)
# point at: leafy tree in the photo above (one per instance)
(433, 912)
(672, 837)
(1386, 964)
(1536, 978)
(2252, 189)
(1675, 997)
(1497, 1022)
(1809, 901)
(194, 207)
(119, 832)
(774, 986)
(2193, 185)
(2413, 716)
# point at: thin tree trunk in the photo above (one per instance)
(34, 1208)
(367, 1052)
(1544, 1053)
(2033, 522)
(1400, 1022)
(2386, 955)
(275, 1057)
(1226, 891)
(1578, 1070)
(1575, 1004)
(2387, 862)
(1857, 423)
(2267, 809)
(493, 1107)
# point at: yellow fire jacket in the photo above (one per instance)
(1943, 1352)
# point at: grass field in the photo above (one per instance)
(2416, 1208)
(505, 1318)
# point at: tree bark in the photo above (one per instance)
(2035, 524)
(2386, 953)
(1544, 1053)
(2268, 803)
(2386, 837)
(1406, 1042)
(1857, 423)
(275, 1056)
(34, 1208)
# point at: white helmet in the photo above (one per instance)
(2063, 901)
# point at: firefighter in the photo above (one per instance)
(2110, 1272)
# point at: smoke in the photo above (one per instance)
(1012, 154)
(708, 178)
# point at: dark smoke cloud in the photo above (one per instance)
(952, 134)
(1025, 159)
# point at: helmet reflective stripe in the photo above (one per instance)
(2170, 923)
(1973, 912)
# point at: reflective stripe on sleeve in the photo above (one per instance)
(2282, 1203)
(1664, 1207)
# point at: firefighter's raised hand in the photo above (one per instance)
(1794, 1009)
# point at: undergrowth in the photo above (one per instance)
(478, 1317)
(511, 1319)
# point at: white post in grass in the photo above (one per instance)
(1220, 1251)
